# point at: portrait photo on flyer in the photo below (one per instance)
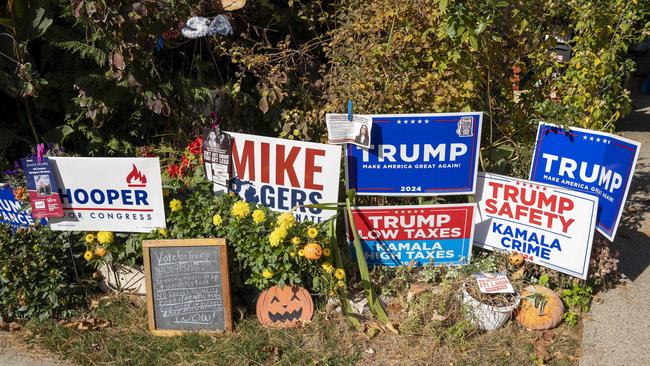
(341, 130)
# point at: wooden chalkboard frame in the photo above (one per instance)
(225, 281)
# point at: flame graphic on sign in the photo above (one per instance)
(135, 178)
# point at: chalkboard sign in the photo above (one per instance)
(187, 286)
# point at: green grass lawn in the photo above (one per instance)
(328, 340)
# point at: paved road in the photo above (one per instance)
(618, 331)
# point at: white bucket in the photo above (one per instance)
(485, 316)
(121, 278)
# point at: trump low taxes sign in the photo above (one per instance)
(550, 226)
(109, 194)
(593, 162)
(415, 235)
(282, 174)
(417, 155)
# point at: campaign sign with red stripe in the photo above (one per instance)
(109, 194)
(415, 235)
(550, 226)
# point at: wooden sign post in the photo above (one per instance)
(188, 288)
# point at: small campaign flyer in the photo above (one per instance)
(341, 130)
(216, 157)
(493, 283)
(42, 188)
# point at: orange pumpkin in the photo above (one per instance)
(313, 251)
(541, 308)
(516, 259)
(284, 307)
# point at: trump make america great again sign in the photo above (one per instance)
(109, 194)
(593, 162)
(415, 235)
(550, 226)
(417, 155)
(281, 174)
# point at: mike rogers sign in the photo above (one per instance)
(417, 235)
(550, 226)
(109, 194)
(594, 162)
(417, 155)
(281, 174)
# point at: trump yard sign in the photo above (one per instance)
(550, 226)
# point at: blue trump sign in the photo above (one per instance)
(417, 155)
(598, 163)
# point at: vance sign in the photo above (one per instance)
(415, 235)
(109, 194)
(417, 155)
(593, 162)
(281, 174)
(550, 226)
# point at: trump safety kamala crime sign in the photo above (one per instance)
(109, 194)
(550, 226)
(281, 174)
(593, 162)
(417, 155)
(415, 235)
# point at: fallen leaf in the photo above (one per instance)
(541, 352)
(548, 336)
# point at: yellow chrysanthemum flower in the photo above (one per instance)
(162, 232)
(258, 216)
(240, 209)
(105, 237)
(341, 284)
(301, 252)
(286, 220)
(175, 205)
(293, 254)
(339, 273)
(267, 274)
(312, 232)
(217, 220)
(327, 252)
(295, 240)
(88, 255)
(327, 266)
(277, 236)
(90, 238)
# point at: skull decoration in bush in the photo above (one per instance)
(284, 307)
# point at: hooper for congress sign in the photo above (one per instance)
(550, 226)
(416, 235)
(594, 162)
(281, 174)
(109, 194)
(417, 155)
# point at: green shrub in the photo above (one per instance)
(37, 273)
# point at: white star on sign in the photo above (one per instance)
(426, 120)
(598, 139)
(412, 121)
(591, 138)
(583, 137)
(399, 121)
(419, 121)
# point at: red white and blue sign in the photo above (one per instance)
(417, 155)
(109, 194)
(415, 235)
(551, 226)
(284, 174)
(11, 211)
(598, 163)
(43, 190)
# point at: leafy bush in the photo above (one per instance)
(37, 273)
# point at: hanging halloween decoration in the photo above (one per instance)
(313, 251)
(197, 27)
(284, 307)
(541, 308)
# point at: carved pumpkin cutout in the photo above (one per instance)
(284, 307)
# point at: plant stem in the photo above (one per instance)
(29, 118)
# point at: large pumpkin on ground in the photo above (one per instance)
(546, 314)
(284, 307)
